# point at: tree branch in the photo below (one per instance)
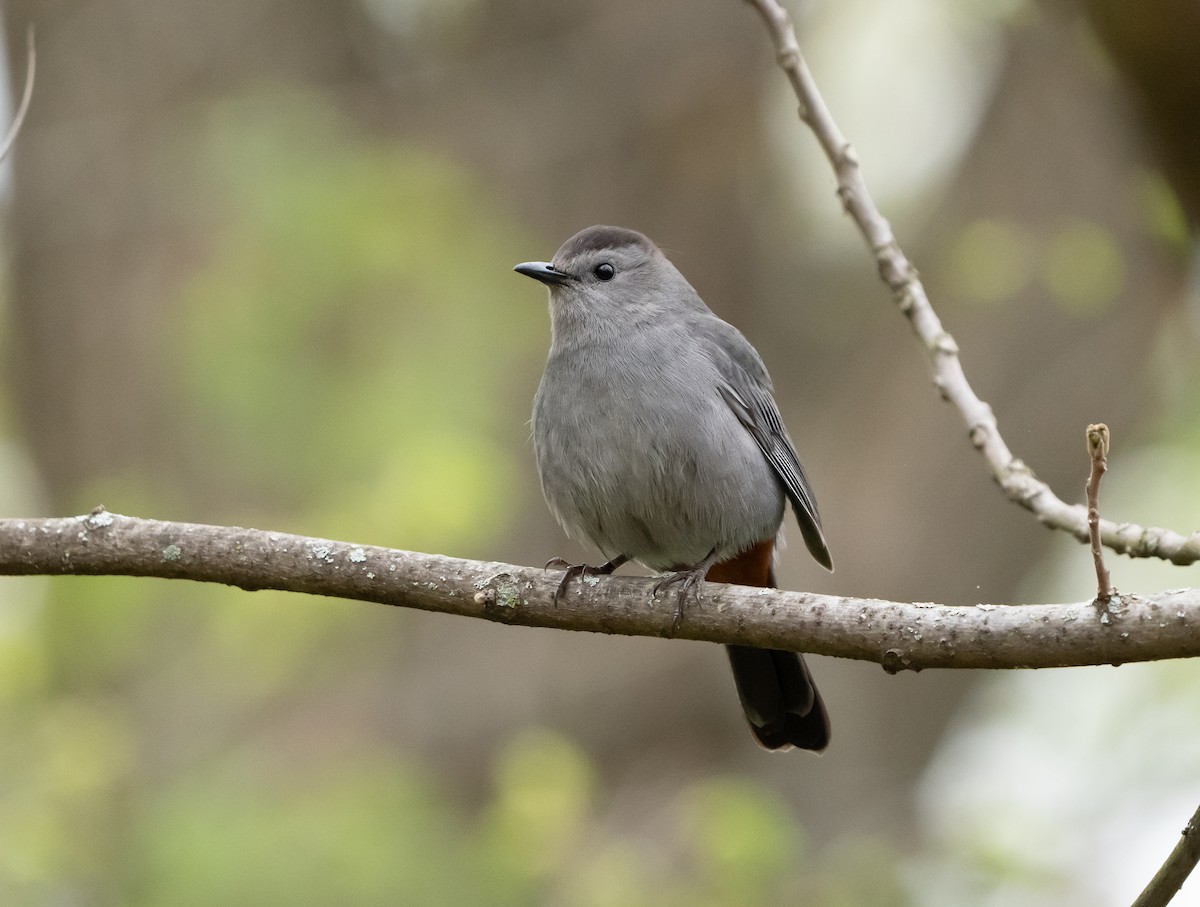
(1014, 477)
(897, 635)
(1178, 866)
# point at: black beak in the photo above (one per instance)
(545, 272)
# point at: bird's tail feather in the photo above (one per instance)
(779, 698)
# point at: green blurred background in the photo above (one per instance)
(257, 272)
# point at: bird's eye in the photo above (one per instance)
(604, 271)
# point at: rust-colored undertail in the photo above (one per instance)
(780, 699)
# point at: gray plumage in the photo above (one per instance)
(656, 433)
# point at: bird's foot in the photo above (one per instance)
(688, 580)
(576, 570)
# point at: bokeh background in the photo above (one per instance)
(257, 271)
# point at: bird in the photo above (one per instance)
(658, 440)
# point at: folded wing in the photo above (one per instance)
(746, 389)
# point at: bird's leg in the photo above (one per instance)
(574, 570)
(687, 579)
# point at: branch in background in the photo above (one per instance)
(1178, 866)
(1097, 442)
(30, 69)
(898, 635)
(1014, 477)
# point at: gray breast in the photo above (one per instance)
(650, 462)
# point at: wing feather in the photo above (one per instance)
(746, 389)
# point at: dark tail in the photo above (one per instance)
(780, 699)
(781, 702)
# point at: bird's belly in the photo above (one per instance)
(656, 487)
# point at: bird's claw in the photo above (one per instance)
(688, 582)
(574, 570)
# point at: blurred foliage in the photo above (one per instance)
(1161, 213)
(1083, 266)
(743, 843)
(1080, 263)
(375, 832)
(536, 821)
(381, 829)
(990, 261)
(387, 832)
(340, 348)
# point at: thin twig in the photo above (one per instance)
(1178, 866)
(900, 636)
(1097, 443)
(30, 69)
(1014, 477)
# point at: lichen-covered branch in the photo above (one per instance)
(1013, 476)
(897, 635)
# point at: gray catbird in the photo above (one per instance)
(658, 440)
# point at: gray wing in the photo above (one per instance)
(746, 388)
